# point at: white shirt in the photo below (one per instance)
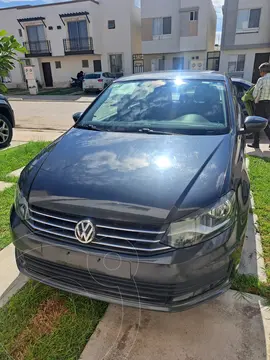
(262, 89)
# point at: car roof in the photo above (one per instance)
(242, 81)
(169, 75)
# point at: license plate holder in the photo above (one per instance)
(107, 264)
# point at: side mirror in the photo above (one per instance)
(254, 124)
(76, 116)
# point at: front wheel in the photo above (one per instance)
(6, 132)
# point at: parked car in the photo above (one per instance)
(7, 122)
(144, 202)
(97, 81)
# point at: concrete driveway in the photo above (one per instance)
(228, 328)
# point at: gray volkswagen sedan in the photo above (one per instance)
(144, 201)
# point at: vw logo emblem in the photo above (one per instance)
(85, 231)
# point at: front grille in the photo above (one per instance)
(106, 285)
(110, 236)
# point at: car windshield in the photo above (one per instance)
(92, 76)
(172, 106)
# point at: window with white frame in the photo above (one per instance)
(193, 16)
(236, 63)
(248, 20)
(137, 3)
(162, 28)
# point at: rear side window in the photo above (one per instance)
(92, 76)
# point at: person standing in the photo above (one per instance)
(261, 95)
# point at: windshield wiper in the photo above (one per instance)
(151, 131)
(90, 127)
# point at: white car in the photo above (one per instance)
(97, 81)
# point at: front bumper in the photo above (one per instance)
(173, 281)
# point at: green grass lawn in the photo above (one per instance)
(42, 323)
(17, 157)
(61, 91)
(10, 160)
(7, 198)
(53, 91)
(259, 171)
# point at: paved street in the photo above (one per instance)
(46, 115)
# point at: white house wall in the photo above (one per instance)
(249, 61)
(205, 40)
(125, 39)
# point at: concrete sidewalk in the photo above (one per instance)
(228, 328)
(10, 278)
(22, 136)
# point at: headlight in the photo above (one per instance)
(205, 225)
(21, 205)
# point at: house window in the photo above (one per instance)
(78, 35)
(162, 28)
(20, 32)
(85, 63)
(111, 24)
(58, 64)
(137, 3)
(116, 63)
(193, 16)
(248, 20)
(236, 63)
(36, 38)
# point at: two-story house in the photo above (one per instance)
(177, 33)
(65, 38)
(246, 37)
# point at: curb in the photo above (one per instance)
(258, 249)
(14, 287)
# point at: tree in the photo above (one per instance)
(9, 48)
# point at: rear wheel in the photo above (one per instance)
(6, 132)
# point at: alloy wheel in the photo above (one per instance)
(4, 131)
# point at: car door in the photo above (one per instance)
(240, 176)
(241, 89)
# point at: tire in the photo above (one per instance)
(6, 132)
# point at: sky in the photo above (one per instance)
(218, 5)
(6, 3)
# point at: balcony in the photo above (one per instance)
(38, 48)
(78, 46)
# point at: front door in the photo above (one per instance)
(259, 59)
(97, 65)
(178, 63)
(47, 72)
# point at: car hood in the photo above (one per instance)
(131, 176)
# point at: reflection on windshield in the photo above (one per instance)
(162, 105)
